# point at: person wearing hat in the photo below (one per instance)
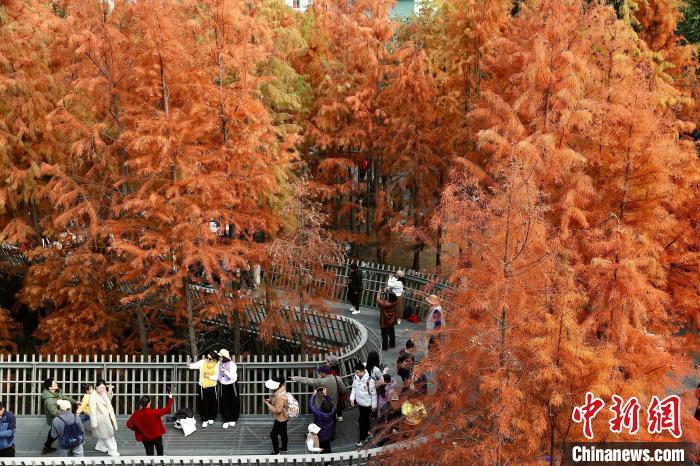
(60, 426)
(50, 396)
(313, 444)
(226, 374)
(333, 384)
(208, 377)
(388, 318)
(435, 319)
(324, 417)
(355, 288)
(148, 426)
(277, 404)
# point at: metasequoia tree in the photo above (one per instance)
(212, 154)
(344, 63)
(409, 139)
(28, 92)
(610, 163)
(301, 254)
(512, 357)
(68, 277)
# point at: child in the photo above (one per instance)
(313, 444)
(84, 409)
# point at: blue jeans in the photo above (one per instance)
(84, 418)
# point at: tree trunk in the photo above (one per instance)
(190, 322)
(237, 332)
(143, 334)
(438, 249)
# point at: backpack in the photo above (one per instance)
(72, 435)
(292, 405)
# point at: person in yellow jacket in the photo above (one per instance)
(208, 377)
(84, 408)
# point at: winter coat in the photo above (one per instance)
(364, 391)
(355, 281)
(226, 372)
(63, 419)
(102, 417)
(147, 423)
(50, 400)
(388, 317)
(326, 421)
(208, 372)
(395, 285)
(8, 428)
(84, 407)
(330, 382)
(278, 406)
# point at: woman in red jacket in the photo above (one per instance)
(148, 426)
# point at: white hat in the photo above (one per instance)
(63, 405)
(314, 429)
(433, 300)
(224, 353)
(272, 384)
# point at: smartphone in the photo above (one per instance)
(168, 389)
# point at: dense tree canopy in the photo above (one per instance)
(545, 152)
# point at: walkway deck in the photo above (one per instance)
(249, 437)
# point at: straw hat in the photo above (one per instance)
(314, 429)
(224, 353)
(414, 413)
(433, 300)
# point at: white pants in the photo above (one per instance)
(107, 445)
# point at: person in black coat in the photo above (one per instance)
(354, 288)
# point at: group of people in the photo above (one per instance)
(65, 417)
(392, 308)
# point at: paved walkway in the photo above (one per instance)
(250, 436)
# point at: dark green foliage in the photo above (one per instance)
(689, 26)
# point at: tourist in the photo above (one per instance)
(148, 426)
(68, 429)
(373, 366)
(227, 373)
(84, 408)
(324, 418)
(395, 284)
(332, 361)
(364, 394)
(355, 288)
(435, 318)
(8, 428)
(313, 443)
(207, 387)
(102, 418)
(409, 348)
(387, 320)
(383, 392)
(50, 396)
(278, 404)
(333, 384)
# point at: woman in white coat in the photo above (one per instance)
(102, 419)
